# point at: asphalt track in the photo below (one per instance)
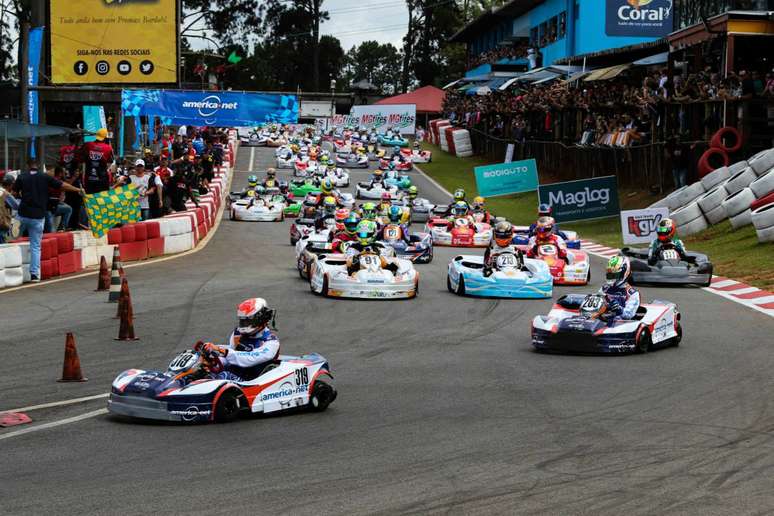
(443, 407)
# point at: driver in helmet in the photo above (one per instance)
(366, 243)
(249, 190)
(417, 146)
(395, 215)
(327, 190)
(385, 204)
(252, 345)
(545, 210)
(271, 178)
(666, 236)
(368, 211)
(340, 215)
(377, 179)
(459, 197)
(544, 235)
(348, 233)
(325, 212)
(459, 209)
(502, 243)
(479, 206)
(623, 300)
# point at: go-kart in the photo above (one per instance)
(392, 178)
(283, 161)
(459, 232)
(582, 324)
(276, 140)
(304, 167)
(300, 228)
(264, 208)
(187, 392)
(508, 278)
(419, 250)
(253, 139)
(352, 160)
(302, 188)
(374, 153)
(669, 268)
(367, 190)
(342, 146)
(338, 177)
(521, 238)
(330, 278)
(418, 156)
(576, 270)
(421, 210)
(400, 165)
(294, 208)
(393, 140)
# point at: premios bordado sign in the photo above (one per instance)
(582, 199)
(639, 18)
(506, 178)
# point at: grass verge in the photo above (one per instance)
(735, 254)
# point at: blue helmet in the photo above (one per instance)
(396, 214)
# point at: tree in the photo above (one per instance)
(221, 22)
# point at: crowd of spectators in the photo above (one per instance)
(510, 52)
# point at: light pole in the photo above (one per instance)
(333, 100)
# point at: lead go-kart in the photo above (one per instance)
(521, 238)
(188, 393)
(509, 277)
(352, 160)
(583, 324)
(330, 278)
(459, 232)
(669, 268)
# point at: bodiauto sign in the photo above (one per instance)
(644, 18)
(582, 199)
(506, 178)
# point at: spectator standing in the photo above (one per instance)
(679, 156)
(97, 157)
(8, 204)
(32, 188)
(164, 174)
(56, 205)
(70, 160)
(142, 181)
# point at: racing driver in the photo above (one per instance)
(544, 235)
(502, 243)
(623, 299)
(666, 234)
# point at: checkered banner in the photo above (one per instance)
(116, 206)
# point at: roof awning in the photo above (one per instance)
(478, 90)
(576, 77)
(546, 79)
(497, 82)
(451, 84)
(16, 130)
(661, 58)
(610, 72)
(507, 84)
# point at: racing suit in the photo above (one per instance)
(494, 250)
(556, 240)
(356, 249)
(656, 245)
(248, 354)
(486, 219)
(338, 237)
(624, 300)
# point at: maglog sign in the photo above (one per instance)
(582, 199)
(107, 41)
(506, 178)
(639, 226)
(639, 18)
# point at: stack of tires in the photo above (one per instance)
(462, 144)
(11, 269)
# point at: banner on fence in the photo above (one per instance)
(400, 118)
(219, 108)
(581, 199)
(507, 178)
(639, 226)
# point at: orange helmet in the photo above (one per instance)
(341, 215)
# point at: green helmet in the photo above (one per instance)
(405, 183)
(412, 192)
(366, 233)
(459, 194)
(252, 180)
(369, 210)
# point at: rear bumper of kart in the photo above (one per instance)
(248, 216)
(655, 278)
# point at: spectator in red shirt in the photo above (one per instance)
(97, 156)
(70, 161)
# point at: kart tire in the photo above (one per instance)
(740, 181)
(765, 235)
(716, 215)
(686, 214)
(321, 396)
(227, 408)
(738, 202)
(762, 162)
(762, 186)
(448, 284)
(715, 177)
(737, 167)
(231, 215)
(325, 286)
(460, 286)
(643, 343)
(763, 217)
(741, 219)
(693, 227)
(676, 340)
(687, 195)
(712, 199)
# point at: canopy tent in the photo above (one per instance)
(610, 72)
(576, 77)
(428, 99)
(16, 130)
(661, 58)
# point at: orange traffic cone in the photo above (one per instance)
(126, 327)
(71, 369)
(124, 297)
(115, 277)
(103, 280)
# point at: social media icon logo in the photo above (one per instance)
(124, 67)
(146, 67)
(80, 68)
(102, 67)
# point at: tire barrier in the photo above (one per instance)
(695, 226)
(762, 162)
(712, 159)
(716, 177)
(718, 140)
(72, 252)
(763, 201)
(763, 217)
(737, 207)
(686, 214)
(740, 180)
(712, 199)
(764, 185)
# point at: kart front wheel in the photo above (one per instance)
(643, 342)
(676, 340)
(227, 408)
(461, 286)
(321, 396)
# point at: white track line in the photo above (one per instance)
(252, 159)
(433, 181)
(56, 403)
(53, 424)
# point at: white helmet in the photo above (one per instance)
(253, 315)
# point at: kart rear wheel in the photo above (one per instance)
(588, 277)
(324, 290)
(228, 406)
(643, 343)
(461, 286)
(230, 214)
(449, 285)
(321, 396)
(676, 340)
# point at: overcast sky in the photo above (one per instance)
(355, 21)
